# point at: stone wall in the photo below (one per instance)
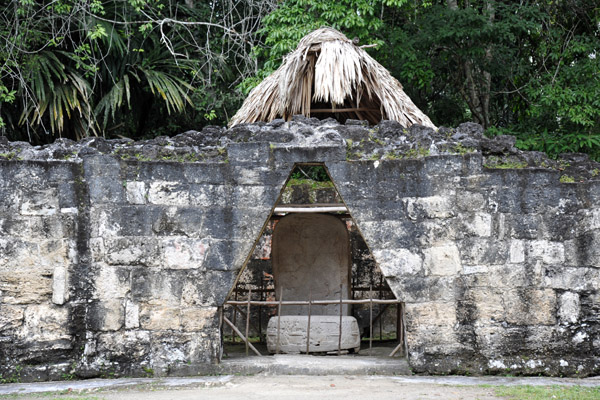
(115, 256)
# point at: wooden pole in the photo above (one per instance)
(240, 334)
(234, 314)
(243, 314)
(396, 349)
(279, 319)
(381, 318)
(370, 320)
(305, 303)
(398, 317)
(400, 332)
(341, 315)
(248, 321)
(261, 297)
(308, 327)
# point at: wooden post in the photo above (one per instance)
(240, 334)
(398, 317)
(341, 314)
(279, 319)
(262, 295)
(380, 318)
(234, 312)
(248, 320)
(402, 339)
(370, 319)
(308, 327)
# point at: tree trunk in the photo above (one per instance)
(477, 81)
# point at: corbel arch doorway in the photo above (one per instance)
(309, 258)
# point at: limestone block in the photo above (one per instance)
(103, 223)
(132, 251)
(25, 286)
(11, 317)
(158, 318)
(60, 292)
(590, 220)
(19, 254)
(568, 308)
(168, 193)
(40, 202)
(55, 253)
(112, 282)
(132, 315)
(324, 334)
(429, 314)
(164, 286)
(44, 323)
(478, 224)
(570, 278)
(442, 260)
(436, 232)
(530, 306)
(255, 195)
(135, 344)
(548, 252)
(469, 201)
(429, 207)
(398, 262)
(388, 234)
(516, 275)
(489, 304)
(183, 253)
(136, 192)
(195, 319)
(209, 196)
(474, 269)
(517, 251)
(478, 251)
(111, 315)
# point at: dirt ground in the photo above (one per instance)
(312, 387)
(284, 387)
(279, 387)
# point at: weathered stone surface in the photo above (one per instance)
(442, 260)
(44, 323)
(530, 306)
(569, 308)
(324, 334)
(399, 262)
(118, 264)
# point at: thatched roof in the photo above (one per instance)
(330, 76)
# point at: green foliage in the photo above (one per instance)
(567, 179)
(141, 68)
(287, 24)
(315, 173)
(119, 68)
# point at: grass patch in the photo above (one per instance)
(527, 392)
(313, 184)
(567, 179)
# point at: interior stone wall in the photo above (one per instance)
(115, 256)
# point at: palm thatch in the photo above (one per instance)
(328, 75)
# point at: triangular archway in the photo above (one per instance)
(310, 275)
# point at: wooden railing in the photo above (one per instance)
(236, 304)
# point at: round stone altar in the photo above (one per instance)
(324, 334)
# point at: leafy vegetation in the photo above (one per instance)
(142, 68)
(315, 173)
